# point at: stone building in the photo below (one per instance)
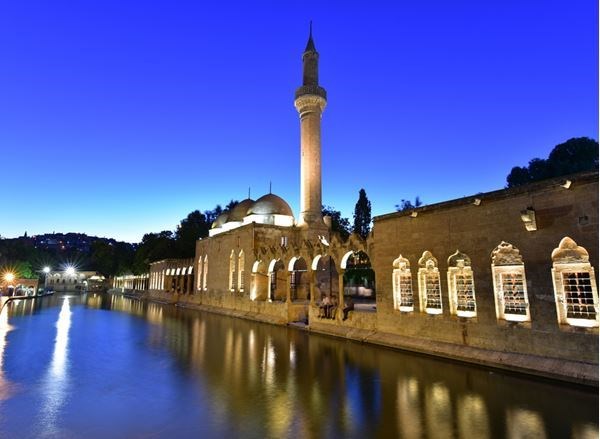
(505, 278)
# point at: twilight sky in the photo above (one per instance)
(118, 118)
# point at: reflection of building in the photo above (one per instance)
(504, 278)
(62, 281)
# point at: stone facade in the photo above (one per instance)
(505, 279)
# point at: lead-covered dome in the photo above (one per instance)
(239, 211)
(270, 204)
(221, 219)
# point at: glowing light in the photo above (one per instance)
(9, 277)
(46, 270)
(70, 270)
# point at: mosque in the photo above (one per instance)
(503, 279)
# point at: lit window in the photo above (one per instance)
(510, 286)
(461, 288)
(232, 271)
(241, 271)
(402, 285)
(430, 293)
(574, 285)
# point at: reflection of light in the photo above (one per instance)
(4, 328)
(62, 339)
(55, 385)
(292, 355)
(585, 431)
(408, 407)
(523, 423)
(268, 364)
(438, 411)
(473, 417)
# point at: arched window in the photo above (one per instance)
(402, 285)
(574, 285)
(461, 289)
(205, 273)
(199, 274)
(241, 271)
(510, 285)
(430, 293)
(232, 271)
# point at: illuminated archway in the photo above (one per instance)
(359, 277)
(260, 281)
(326, 277)
(277, 280)
(299, 280)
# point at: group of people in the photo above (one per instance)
(329, 305)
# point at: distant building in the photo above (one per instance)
(76, 282)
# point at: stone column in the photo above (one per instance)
(339, 313)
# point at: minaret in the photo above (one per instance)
(310, 102)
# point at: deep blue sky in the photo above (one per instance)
(118, 118)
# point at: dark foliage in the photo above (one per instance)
(339, 224)
(362, 215)
(575, 155)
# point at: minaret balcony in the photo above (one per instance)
(311, 90)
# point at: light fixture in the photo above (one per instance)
(477, 201)
(46, 270)
(414, 214)
(566, 184)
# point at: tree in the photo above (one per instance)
(193, 227)
(362, 215)
(575, 155)
(407, 204)
(338, 224)
(154, 247)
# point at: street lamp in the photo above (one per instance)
(46, 271)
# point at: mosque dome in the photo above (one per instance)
(270, 204)
(239, 211)
(221, 219)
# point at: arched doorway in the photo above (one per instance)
(277, 281)
(359, 278)
(326, 278)
(260, 281)
(299, 281)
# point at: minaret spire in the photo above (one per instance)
(310, 102)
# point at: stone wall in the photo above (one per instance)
(476, 228)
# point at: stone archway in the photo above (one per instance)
(299, 279)
(359, 277)
(260, 281)
(277, 281)
(326, 277)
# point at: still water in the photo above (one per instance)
(102, 366)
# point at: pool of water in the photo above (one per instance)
(108, 366)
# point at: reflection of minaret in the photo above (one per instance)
(310, 103)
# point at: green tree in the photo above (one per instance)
(407, 204)
(339, 224)
(193, 227)
(362, 215)
(575, 155)
(154, 247)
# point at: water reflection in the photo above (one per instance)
(257, 380)
(55, 386)
(5, 385)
